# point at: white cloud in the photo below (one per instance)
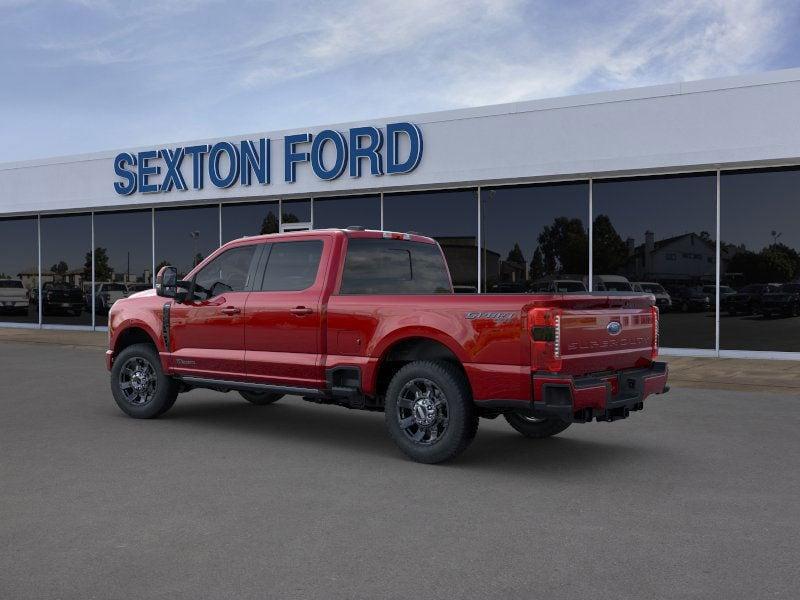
(660, 43)
(202, 67)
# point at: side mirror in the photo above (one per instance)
(167, 282)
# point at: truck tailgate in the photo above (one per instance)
(604, 340)
(592, 336)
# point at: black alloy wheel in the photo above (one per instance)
(429, 411)
(141, 388)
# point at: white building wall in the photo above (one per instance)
(738, 121)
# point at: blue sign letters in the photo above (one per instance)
(329, 153)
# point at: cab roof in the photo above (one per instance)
(334, 231)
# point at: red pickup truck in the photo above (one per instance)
(369, 320)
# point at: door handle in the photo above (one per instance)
(301, 311)
(231, 310)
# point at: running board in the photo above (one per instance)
(225, 384)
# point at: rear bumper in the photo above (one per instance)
(604, 398)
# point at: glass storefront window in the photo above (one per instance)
(346, 211)
(294, 212)
(450, 217)
(760, 260)
(658, 231)
(19, 270)
(123, 258)
(251, 218)
(535, 238)
(185, 236)
(66, 269)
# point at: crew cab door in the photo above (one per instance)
(207, 330)
(283, 321)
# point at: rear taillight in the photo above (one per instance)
(654, 313)
(546, 334)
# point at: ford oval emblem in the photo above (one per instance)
(614, 327)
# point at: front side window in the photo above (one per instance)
(292, 266)
(226, 273)
(378, 266)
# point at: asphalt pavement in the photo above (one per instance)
(695, 497)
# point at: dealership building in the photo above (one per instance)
(690, 190)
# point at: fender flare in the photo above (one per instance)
(417, 331)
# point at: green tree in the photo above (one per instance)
(564, 247)
(102, 270)
(59, 268)
(269, 224)
(775, 263)
(516, 255)
(536, 269)
(610, 251)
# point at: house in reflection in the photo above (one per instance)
(687, 259)
(72, 277)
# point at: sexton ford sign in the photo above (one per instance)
(329, 152)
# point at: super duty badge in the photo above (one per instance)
(494, 316)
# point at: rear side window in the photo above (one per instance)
(292, 266)
(378, 266)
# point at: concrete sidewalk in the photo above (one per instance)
(775, 376)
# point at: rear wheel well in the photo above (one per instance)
(410, 350)
(132, 335)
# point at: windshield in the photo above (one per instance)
(10, 283)
(618, 286)
(726, 289)
(653, 288)
(752, 289)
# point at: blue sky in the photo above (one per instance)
(89, 75)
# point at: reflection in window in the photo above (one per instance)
(292, 266)
(123, 258)
(760, 260)
(535, 238)
(379, 266)
(185, 236)
(252, 218)
(450, 217)
(226, 273)
(659, 230)
(19, 270)
(295, 211)
(67, 269)
(343, 212)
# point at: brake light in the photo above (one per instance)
(546, 334)
(656, 325)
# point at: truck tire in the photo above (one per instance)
(534, 427)
(140, 387)
(260, 398)
(429, 411)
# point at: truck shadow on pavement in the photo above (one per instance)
(327, 429)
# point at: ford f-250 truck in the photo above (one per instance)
(369, 320)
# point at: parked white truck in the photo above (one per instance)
(13, 296)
